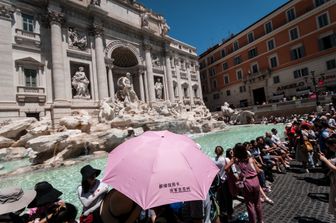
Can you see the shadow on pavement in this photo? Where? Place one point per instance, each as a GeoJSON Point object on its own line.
{"type": "Point", "coordinates": [302, 219]}
{"type": "Point", "coordinates": [324, 181]}
{"type": "Point", "coordinates": [324, 197]}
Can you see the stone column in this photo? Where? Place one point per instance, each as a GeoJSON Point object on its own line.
{"type": "Point", "coordinates": [200, 93]}
{"type": "Point", "coordinates": [100, 61]}
{"type": "Point", "coordinates": [110, 81]}
{"type": "Point", "coordinates": [56, 19]}
{"type": "Point", "coordinates": [141, 83]}
{"type": "Point", "coordinates": [179, 84]}
{"type": "Point", "coordinates": [146, 86]}
{"type": "Point", "coordinates": [21, 76]}
{"type": "Point", "coordinates": [169, 78]}
{"type": "Point", "coordinates": [149, 68]}
{"type": "Point", "coordinates": [191, 93]}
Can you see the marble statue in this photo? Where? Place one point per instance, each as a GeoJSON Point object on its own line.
{"type": "Point", "coordinates": [145, 20]}
{"type": "Point", "coordinates": [77, 39]}
{"type": "Point", "coordinates": [126, 92]}
{"type": "Point", "coordinates": [158, 89]}
{"type": "Point", "coordinates": [95, 2]}
{"type": "Point", "coordinates": [164, 28]}
{"type": "Point", "coordinates": [106, 111]}
{"type": "Point", "coordinates": [81, 84]}
{"type": "Point", "coordinates": [235, 116]}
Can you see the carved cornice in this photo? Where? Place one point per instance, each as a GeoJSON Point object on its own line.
{"type": "Point", "coordinates": [6, 12]}
{"type": "Point", "coordinates": [56, 17]}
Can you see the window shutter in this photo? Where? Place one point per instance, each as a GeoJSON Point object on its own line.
{"type": "Point", "coordinates": [320, 44]}
{"type": "Point", "coordinates": [302, 49]}
{"type": "Point", "coordinates": [333, 39]}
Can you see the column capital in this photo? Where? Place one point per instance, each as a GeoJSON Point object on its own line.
{"type": "Point", "coordinates": [146, 44]}
{"type": "Point", "coordinates": [97, 30]}
{"type": "Point", "coordinates": [6, 12]}
{"type": "Point", "coordinates": [56, 17]}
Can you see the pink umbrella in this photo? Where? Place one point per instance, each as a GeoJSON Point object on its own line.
{"type": "Point", "coordinates": [160, 168]}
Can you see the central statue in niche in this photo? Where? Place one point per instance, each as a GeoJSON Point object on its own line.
{"type": "Point", "coordinates": [126, 91]}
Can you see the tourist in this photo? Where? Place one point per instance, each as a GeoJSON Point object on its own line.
{"type": "Point", "coordinates": [224, 197]}
{"type": "Point", "coordinates": [13, 201]}
{"type": "Point", "coordinates": [46, 202]}
{"type": "Point", "coordinates": [165, 214]}
{"type": "Point", "coordinates": [331, 164]}
{"type": "Point", "coordinates": [117, 208]}
{"type": "Point", "coordinates": [249, 177]}
{"type": "Point", "coordinates": [90, 193]}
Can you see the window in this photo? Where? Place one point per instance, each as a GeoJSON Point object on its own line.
{"type": "Point", "coordinates": [301, 72]}
{"type": "Point", "coordinates": [290, 14]}
{"type": "Point", "coordinates": [223, 53]}
{"type": "Point", "coordinates": [323, 20]}
{"type": "Point", "coordinates": [297, 53]}
{"type": "Point", "coordinates": [242, 89]}
{"type": "Point", "coordinates": [239, 74]}
{"type": "Point", "coordinates": [293, 33]}
{"type": "Point", "coordinates": [319, 2]}
{"type": "Point", "coordinates": [268, 27]}
{"type": "Point", "coordinates": [270, 44]}
{"type": "Point", "coordinates": [228, 93]}
{"type": "Point", "coordinates": [226, 79]}
{"type": "Point", "coordinates": [237, 60]}
{"type": "Point", "coordinates": [273, 62]}
{"type": "Point", "coordinates": [211, 60]}
{"type": "Point", "coordinates": [255, 68]}
{"type": "Point", "coordinates": [214, 84]}
{"type": "Point", "coordinates": [30, 77]}
{"type": "Point", "coordinates": [252, 53]}
{"type": "Point", "coordinates": [225, 66]}
{"type": "Point", "coordinates": [250, 37]}
{"type": "Point", "coordinates": [235, 45]}
{"type": "Point", "coordinates": [331, 64]}
{"type": "Point", "coordinates": [276, 79]}
{"type": "Point", "coordinates": [28, 23]}
{"type": "Point", "coordinates": [327, 42]}
{"type": "Point", "coordinates": [212, 71]}
{"type": "Point", "coordinates": [216, 96]}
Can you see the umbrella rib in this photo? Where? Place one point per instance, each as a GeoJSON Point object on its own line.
{"type": "Point", "coordinates": [186, 159]}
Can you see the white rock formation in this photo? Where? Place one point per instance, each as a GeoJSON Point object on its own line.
{"type": "Point", "coordinates": [16, 129]}
{"type": "Point", "coordinates": [79, 120]}
{"type": "Point", "coordinates": [5, 142]}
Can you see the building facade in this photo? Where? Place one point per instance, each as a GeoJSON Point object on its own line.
{"type": "Point", "coordinates": [287, 54]}
{"type": "Point", "coordinates": [59, 56]}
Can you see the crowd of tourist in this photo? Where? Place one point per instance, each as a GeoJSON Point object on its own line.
{"type": "Point", "coordinates": [246, 173]}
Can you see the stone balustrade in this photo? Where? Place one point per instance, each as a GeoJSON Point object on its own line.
{"type": "Point", "coordinates": [30, 94]}
{"type": "Point", "coordinates": [22, 36]}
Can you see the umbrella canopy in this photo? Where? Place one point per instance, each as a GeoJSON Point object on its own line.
{"type": "Point", "coordinates": [160, 168]}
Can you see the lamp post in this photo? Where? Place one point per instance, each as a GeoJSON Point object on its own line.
{"type": "Point", "coordinates": [315, 87]}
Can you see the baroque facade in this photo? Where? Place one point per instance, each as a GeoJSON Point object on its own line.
{"type": "Point", "coordinates": [288, 54]}
{"type": "Point", "coordinates": [59, 56]}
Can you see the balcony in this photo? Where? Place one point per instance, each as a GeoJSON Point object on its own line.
{"type": "Point", "coordinates": [30, 94]}
{"type": "Point", "coordinates": [259, 76]}
{"type": "Point", "coordinates": [29, 38]}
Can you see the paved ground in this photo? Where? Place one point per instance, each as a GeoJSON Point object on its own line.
{"type": "Point", "coordinates": [299, 197]}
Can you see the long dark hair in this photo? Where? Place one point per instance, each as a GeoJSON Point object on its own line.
{"type": "Point", "coordinates": [240, 152]}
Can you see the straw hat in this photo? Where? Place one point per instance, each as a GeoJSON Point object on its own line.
{"type": "Point", "coordinates": [13, 199]}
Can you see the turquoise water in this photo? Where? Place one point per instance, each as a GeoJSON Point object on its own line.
{"type": "Point", "coordinates": [12, 165]}
{"type": "Point", "coordinates": [67, 179]}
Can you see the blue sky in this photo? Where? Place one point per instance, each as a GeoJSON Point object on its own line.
{"type": "Point", "coordinates": [204, 23]}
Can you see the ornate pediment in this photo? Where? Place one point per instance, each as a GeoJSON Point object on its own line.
{"type": "Point", "coordinates": [29, 61]}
